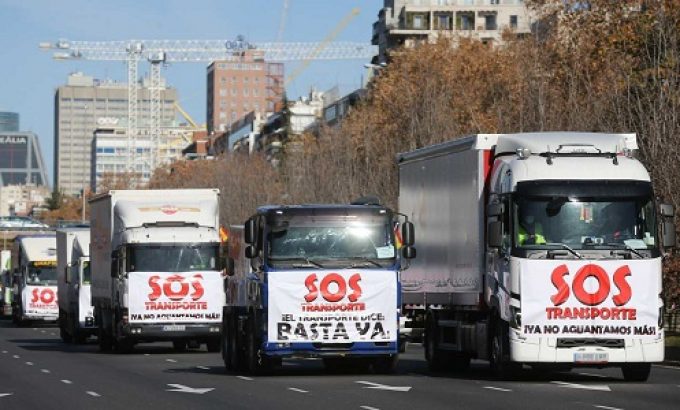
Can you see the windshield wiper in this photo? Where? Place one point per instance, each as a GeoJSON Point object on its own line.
{"type": "Point", "coordinates": [565, 246]}
{"type": "Point", "coordinates": [626, 247]}
{"type": "Point", "coordinates": [364, 262]}
{"type": "Point", "coordinates": [308, 262]}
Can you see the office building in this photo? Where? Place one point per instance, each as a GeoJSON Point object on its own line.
{"type": "Point", "coordinates": [21, 160]}
{"type": "Point", "coordinates": [236, 88]}
{"type": "Point", "coordinates": [9, 121]}
{"type": "Point", "coordinates": [78, 108]}
{"type": "Point", "coordinates": [408, 23]}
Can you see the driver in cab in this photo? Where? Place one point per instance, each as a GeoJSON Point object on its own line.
{"type": "Point", "coordinates": [530, 231]}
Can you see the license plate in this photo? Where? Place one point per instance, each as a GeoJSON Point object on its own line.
{"type": "Point", "coordinates": [591, 357]}
{"type": "Point", "coordinates": [174, 328]}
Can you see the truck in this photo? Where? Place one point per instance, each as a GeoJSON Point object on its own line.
{"type": "Point", "coordinates": [5, 282]}
{"type": "Point", "coordinates": [156, 268]}
{"type": "Point", "coordinates": [317, 281]}
{"type": "Point", "coordinates": [34, 271]}
{"type": "Point", "coordinates": [539, 249]}
{"type": "Point", "coordinates": [76, 314]}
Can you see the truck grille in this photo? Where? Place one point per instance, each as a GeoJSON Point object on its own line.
{"type": "Point", "coordinates": [613, 343]}
{"type": "Point", "coordinates": [332, 346]}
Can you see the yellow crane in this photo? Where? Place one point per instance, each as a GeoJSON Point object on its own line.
{"type": "Point", "coordinates": [323, 44]}
{"type": "Point", "coordinates": [188, 117]}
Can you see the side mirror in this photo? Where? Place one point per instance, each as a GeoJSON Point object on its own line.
{"type": "Point", "coordinates": [230, 267]}
{"type": "Point", "coordinates": [495, 209]}
{"type": "Point", "coordinates": [250, 231]}
{"type": "Point", "coordinates": [668, 234]}
{"type": "Point", "coordinates": [408, 252]}
{"type": "Point", "coordinates": [495, 234]}
{"type": "Point", "coordinates": [408, 234]}
{"type": "Point", "coordinates": [667, 210]}
{"type": "Point", "coordinates": [251, 252]}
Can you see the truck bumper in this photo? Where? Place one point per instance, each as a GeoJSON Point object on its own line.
{"type": "Point", "coordinates": [39, 318]}
{"type": "Point", "coordinates": [359, 349]}
{"type": "Point", "coordinates": [581, 352]}
{"type": "Point", "coordinates": [140, 332]}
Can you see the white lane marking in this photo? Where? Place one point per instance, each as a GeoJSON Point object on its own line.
{"type": "Point", "coordinates": [171, 360]}
{"type": "Point", "coordinates": [66, 381]}
{"type": "Point", "coordinates": [42, 331]}
{"type": "Point", "coordinates": [378, 386]}
{"type": "Point", "coordinates": [5, 394]}
{"type": "Point", "coordinates": [244, 377]}
{"type": "Point", "coordinates": [368, 408]}
{"type": "Point", "coordinates": [44, 371]}
{"type": "Point", "coordinates": [496, 388]}
{"type": "Point", "coordinates": [53, 334]}
{"type": "Point", "coordinates": [35, 328]}
{"type": "Point", "coordinates": [607, 407]}
{"type": "Point", "coordinates": [146, 354]}
{"type": "Point", "coordinates": [180, 388]}
{"type": "Point", "coordinates": [16, 356]}
{"type": "Point", "coordinates": [597, 387]}
{"type": "Point", "coordinates": [29, 363]}
{"type": "Point", "coordinates": [4, 351]}
{"type": "Point", "coordinates": [297, 390]}
{"type": "Point", "coordinates": [593, 375]}
{"type": "Point", "coordinates": [203, 367]}
{"type": "Point", "coordinates": [93, 394]}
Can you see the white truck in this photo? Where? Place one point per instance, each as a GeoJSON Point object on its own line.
{"type": "Point", "coordinates": [76, 315]}
{"type": "Point", "coordinates": [5, 282]}
{"type": "Point", "coordinates": [155, 268]}
{"type": "Point", "coordinates": [536, 248]}
{"type": "Point", "coordinates": [34, 267]}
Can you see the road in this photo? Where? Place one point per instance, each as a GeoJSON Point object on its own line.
{"type": "Point", "coordinates": [38, 371]}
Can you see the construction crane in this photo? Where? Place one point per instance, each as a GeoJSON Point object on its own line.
{"type": "Point", "coordinates": [160, 52]}
{"type": "Point", "coordinates": [282, 22]}
{"type": "Point", "coordinates": [322, 46]}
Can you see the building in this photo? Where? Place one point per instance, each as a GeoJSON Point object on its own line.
{"type": "Point", "coordinates": [111, 154]}
{"type": "Point", "coordinates": [21, 160]}
{"type": "Point", "coordinates": [78, 106]}
{"type": "Point", "coordinates": [337, 110]}
{"type": "Point", "coordinates": [21, 200]}
{"type": "Point", "coordinates": [411, 22]}
{"type": "Point", "coordinates": [9, 121]}
{"type": "Point", "coordinates": [235, 88]}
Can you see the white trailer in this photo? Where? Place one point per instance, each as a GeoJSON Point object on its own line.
{"type": "Point", "coordinates": [34, 267]}
{"type": "Point", "coordinates": [5, 282]}
{"type": "Point", "coordinates": [76, 314]}
{"type": "Point", "coordinates": [538, 249]}
{"type": "Point", "coordinates": [155, 267]}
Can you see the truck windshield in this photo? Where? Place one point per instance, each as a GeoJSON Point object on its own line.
{"type": "Point", "coordinates": [42, 276]}
{"type": "Point", "coordinates": [332, 241]}
{"type": "Point", "coordinates": [172, 258]}
{"type": "Point", "coordinates": [585, 223]}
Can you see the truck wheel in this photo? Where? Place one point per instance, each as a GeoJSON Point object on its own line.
{"type": "Point", "coordinates": [433, 355]}
{"type": "Point", "coordinates": [235, 349]}
{"type": "Point", "coordinates": [105, 340]}
{"type": "Point", "coordinates": [65, 336]}
{"type": "Point", "coordinates": [256, 363]}
{"type": "Point", "coordinates": [179, 345]}
{"type": "Point", "coordinates": [499, 361]}
{"type": "Point", "coordinates": [226, 343]}
{"type": "Point", "coordinates": [386, 365]}
{"type": "Point", "coordinates": [636, 372]}
{"type": "Point", "coordinates": [213, 345]}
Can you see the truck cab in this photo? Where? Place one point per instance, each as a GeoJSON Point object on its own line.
{"type": "Point", "coordinates": [323, 281]}
{"type": "Point", "coordinates": [34, 262]}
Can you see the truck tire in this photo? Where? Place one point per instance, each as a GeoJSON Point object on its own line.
{"type": "Point", "coordinates": [433, 355]}
{"type": "Point", "coordinates": [255, 363]}
{"type": "Point", "coordinates": [386, 365]}
{"type": "Point", "coordinates": [179, 346]}
{"type": "Point", "coordinates": [226, 343]}
{"type": "Point", "coordinates": [236, 343]}
{"type": "Point", "coordinates": [213, 345]}
{"type": "Point", "coordinates": [105, 341]}
{"type": "Point", "coordinates": [499, 355]}
{"type": "Point", "coordinates": [63, 323]}
{"type": "Point", "coordinates": [636, 372]}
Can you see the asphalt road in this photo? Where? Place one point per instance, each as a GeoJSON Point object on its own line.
{"type": "Point", "coordinates": [38, 371]}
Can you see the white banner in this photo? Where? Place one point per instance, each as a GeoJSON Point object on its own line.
{"type": "Point", "coordinates": [591, 299]}
{"type": "Point", "coordinates": [332, 306]}
{"type": "Point", "coordinates": [85, 308]}
{"type": "Point", "coordinates": [40, 301]}
{"type": "Point", "coordinates": [183, 297]}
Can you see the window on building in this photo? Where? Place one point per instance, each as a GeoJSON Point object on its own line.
{"type": "Point", "coordinates": [245, 80]}
{"type": "Point", "coordinates": [490, 22]}
{"type": "Point", "coordinates": [443, 21]}
{"type": "Point", "coordinates": [255, 92]}
{"type": "Point", "coordinates": [418, 21]}
{"type": "Point", "coordinates": [233, 115]}
{"type": "Point", "coordinates": [223, 92]}
{"type": "Point", "coordinates": [465, 20]}
{"type": "Point", "coordinates": [494, 2]}
{"type": "Point", "coordinates": [245, 92]}
{"type": "Point", "coordinates": [513, 21]}
{"type": "Point", "coordinates": [234, 91]}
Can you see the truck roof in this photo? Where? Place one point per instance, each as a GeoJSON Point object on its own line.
{"type": "Point", "coordinates": [320, 208]}
{"type": "Point", "coordinates": [39, 247]}
{"type": "Point", "coordinates": [536, 142]}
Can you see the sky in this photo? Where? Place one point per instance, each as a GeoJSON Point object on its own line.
{"type": "Point", "coordinates": [29, 76]}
